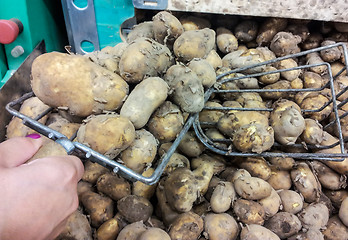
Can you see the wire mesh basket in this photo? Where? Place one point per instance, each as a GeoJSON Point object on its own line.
{"type": "Point", "coordinates": [82, 150]}
{"type": "Point", "coordinates": [228, 150]}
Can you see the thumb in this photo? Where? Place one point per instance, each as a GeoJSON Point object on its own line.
{"type": "Point", "coordinates": [18, 150]}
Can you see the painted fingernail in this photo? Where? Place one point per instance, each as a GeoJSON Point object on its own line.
{"type": "Point", "coordinates": [34, 136]}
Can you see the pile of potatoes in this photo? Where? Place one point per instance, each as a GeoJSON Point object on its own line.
{"type": "Point", "coordinates": [130, 101]}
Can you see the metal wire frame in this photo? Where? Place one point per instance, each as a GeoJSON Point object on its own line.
{"type": "Point", "coordinates": [78, 148]}
{"type": "Point", "coordinates": [213, 144]}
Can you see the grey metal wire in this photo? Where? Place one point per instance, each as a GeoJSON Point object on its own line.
{"type": "Point", "coordinates": [212, 144]}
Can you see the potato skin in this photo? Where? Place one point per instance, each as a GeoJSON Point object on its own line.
{"type": "Point", "coordinates": [222, 197]}
{"type": "Point", "coordinates": [343, 212]}
{"type": "Point", "coordinates": [186, 226]}
{"type": "Point", "coordinates": [132, 231]}
{"type": "Point", "coordinates": [284, 224]}
{"type": "Point", "coordinates": [292, 202]}
{"type": "Point", "coordinates": [31, 107]}
{"type": "Point", "coordinates": [113, 186]}
{"type": "Point", "coordinates": [107, 134]}
{"type": "Point", "coordinates": [108, 230]}
{"type": "Point", "coordinates": [335, 229]}
{"type": "Point", "coordinates": [152, 91]}
{"type": "Point", "coordinates": [144, 58]}
{"type": "Point", "coordinates": [194, 44]}
{"type": "Point", "coordinates": [315, 215]}
{"type": "Point", "coordinates": [76, 228]}
{"type": "Point", "coordinates": [249, 212]}
{"type": "Point", "coordinates": [154, 233]}
{"type": "Point", "coordinates": [141, 208]}
{"type": "Point", "coordinates": [79, 85]}
{"type": "Point", "coordinates": [221, 226]}
{"type": "Point", "coordinates": [256, 166]}
{"type": "Point", "coordinates": [99, 208]}
{"type": "Point", "coordinates": [141, 152]}
{"type": "Point", "coordinates": [187, 89]}
{"type": "Point", "coordinates": [305, 182]}
{"type": "Point", "coordinates": [252, 188]}
{"type": "Point", "coordinates": [271, 204]}
{"type": "Point", "coordinates": [166, 122]}
{"type": "Point", "coordinates": [256, 232]}
{"type": "Point", "coordinates": [93, 171]}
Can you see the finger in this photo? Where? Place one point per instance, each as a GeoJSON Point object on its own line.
{"type": "Point", "coordinates": [18, 150]}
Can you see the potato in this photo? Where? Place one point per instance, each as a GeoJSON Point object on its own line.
{"type": "Point", "coordinates": [287, 64]}
{"type": "Point", "coordinates": [187, 88]}
{"type": "Point", "coordinates": [267, 53]}
{"type": "Point", "coordinates": [281, 163]}
{"type": "Point", "coordinates": [296, 84]}
{"type": "Point", "coordinates": [305, 182]}
{"type": "Point", "coordinates": [308, 235]}
{"type": "Point", "coordinates": [340, 83]}
{"type": "Point", "coordinates": [83, 186]}
{"type": "Point", "coordinates": [152, 91]}
{"type": "Point", "coordinates": [109, 230]}
{"type": "Point", "coordinates": [285, 43]}
{"type": "Point", "coordinates": [181, 189]}
{"type": "Point", "coordinates": [49, 149]}
{"type": "Point", "coordinates": [256, 166]}
{"type": "Point", "coordinates": [144, 190]}
{"type": "Point", "coordinates": [271, 204]}
{"type": "Point", "coordinates": [222, 197]}
{"type": "Point", "coordinates": [190, 22]}
{"type": "Point", "coordinates": [214, 59]}
{"type": "Point", "coordinates": [225, 40]}
{"type": "Point", "coordinates": [144, 58]}
{"type": "Point", "coordinates": [292, 202]}
{"type": "Point", "coordinates": [257, 232]}
{"type": "Point", "coordinates": [230, 123]}
{"type": "Point", "coordinates": [108, 57]}
{"type": "Point", "coordinates": [186, 226]}
{"type": "Point", "coordinates": [249, 212]}
{"type": "Point", "coordinates": [327, 177]}
{"type": "Point", "coordinates": [108, 134]}
{"type": "Point", "coordinates": [340, 167]}
{"type": "Point", "coordinates": [284, 224]}
{"type": "Point", "coordinates": [252, 188]}
{"type": "Point", "coordinates": [143, 29]}
{"type": "Point", "coordinates": [312, 41]}
{"type": "Point", "coordinates": [271, 94]}
{"type": "Point", "coordinates": [76, 228]}
{"type": "Point", "coordinates": [315, 216]}
{"type": "Point", "coordinates": [177, 160]}
{"type": "Point", "coordinates": [253, 138]}
{"type": "Point", "coordinates": [343, 213]}
{"type": "Point", "coordinates": [210, 116]}
{"type": "Point", "coordinates": [142, 151]}
{"type": "Point", "coordinates": [80, 86]}
{"type": "Point", "coordinates": [279, 179]}
{"type": "Point", "coordinates": [314, 58]}
{"type": "Point", "coordinates": [194, 44]}
{"type": "Point", "coordinates": [269, 28]}
{"type": "Point", "coordinates": [313, 132]}
{"type": "Point", "coordinates": [288, 123]}
{"type": "Point", "coordinates": [335, 229]}
{"type": "Point", "coordinates": [241, 59]}
{"type": "Point", "coordinates": [190, 145]}
{"type": "Point", "coordinates": [93, 171]}
{"type": "Point", "coordinates": [166, 122]}
{"type": "Point", "coordinates": [336, 197]}
{"type": "Point", "coordinates": [132, 231]}
{"type": "Point", "coordinates": [337, 67]}
{"type": "Point", "coordinates": [141, 208]}
{"type": "Point", "coordinates": [269, 78]}
{"type": "Point", "coordinates": [163, 209]}
{"type": "Point", "coordinates": [239, 173]}
{"type": "Point", "coordinates": [220, 226]}
{"type": "Point", "coordinates": [31, 107]}
{"type": "Point", "coordinates": [330, 54]}
{"type": "Point", "coordinates": [99, 208]}
{"type": "Point", "coordinates": [316, 102]}
{"type": "Point", "coordinates": [166, 27]}
{"type": "Point", "coordinates": [154, 233]}
{"type": "Point", "coordinates": [246, 30]}
{"type": "Point", "coordinates": [204, 71]}
{"type": "Point", "coordinates": [113, 186]}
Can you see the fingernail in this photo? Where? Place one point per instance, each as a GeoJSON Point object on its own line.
{"type": "Point", "coordinates": [34, 136]}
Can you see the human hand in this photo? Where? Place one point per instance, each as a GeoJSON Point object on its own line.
{"type": "Point", "coordinates": [36, 197]}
